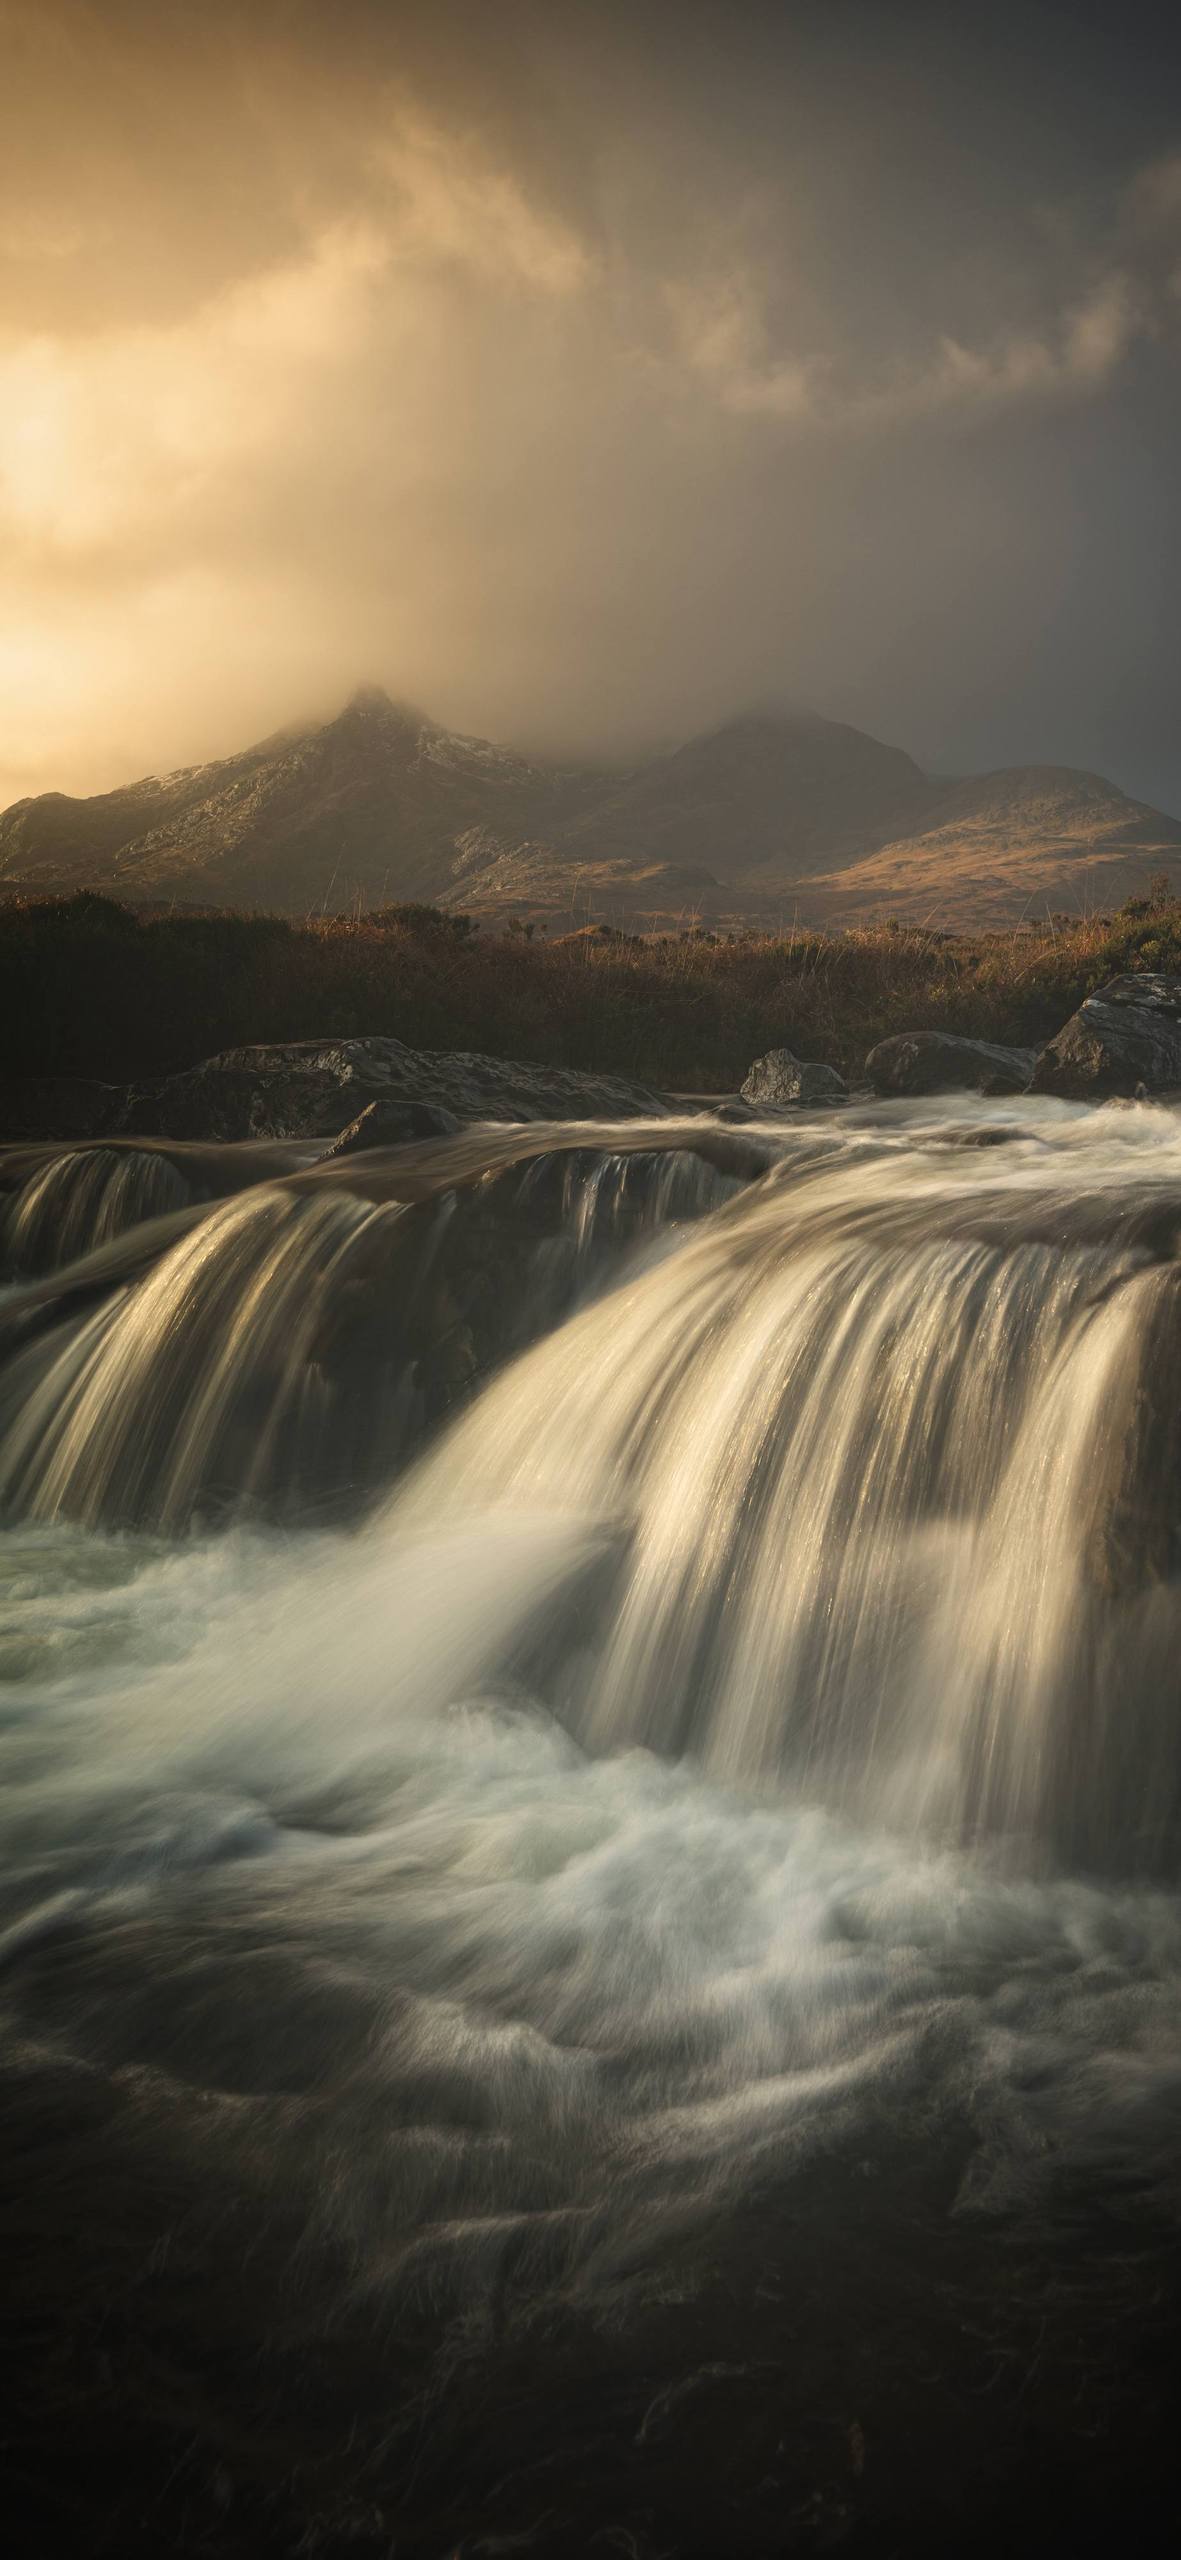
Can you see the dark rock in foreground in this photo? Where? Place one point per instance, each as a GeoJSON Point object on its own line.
{"type": "Point", "coordinates": [782, 1078]}
{"type": "Point", "coordinates": [917, 1062]}
{"type": "Point", "coordinates": [1126, 1035]}
{"type": "Point", "coordinates": [317, 1088]}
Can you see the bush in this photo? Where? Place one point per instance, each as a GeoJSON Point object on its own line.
{"type": "Point", "coordinates": [89, 987]}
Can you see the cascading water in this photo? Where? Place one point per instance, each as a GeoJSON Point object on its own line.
{"type": "Point", "coordinates": [868, 1437]}
{"type": "Point", "coordinates": [294, 1344]}
{"type": "Point", "coordinates": [66, 1203]}
{"type": "Point", "coordinates": [691, 1867]}
{"type": "Point", "coordinates": [84, 1198]}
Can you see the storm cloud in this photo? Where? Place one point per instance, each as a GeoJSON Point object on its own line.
{"type": "Point", "coordinates": [587, 374]}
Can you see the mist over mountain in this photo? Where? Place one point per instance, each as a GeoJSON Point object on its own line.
{"type": "Point", "coordinates": [377, 800]}
{"type": "Point", "coordinates": [769, 814]}
{"type": "Point", "coordinates": [588, 372]}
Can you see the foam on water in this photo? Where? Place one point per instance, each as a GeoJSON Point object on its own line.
{"type": "Point", "coordinates": [677, 1778]}
{"type": "Point", "coordinates": [274, 1831]}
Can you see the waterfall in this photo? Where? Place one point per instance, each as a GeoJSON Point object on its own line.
{"type": "Point", "coordinates": [291, 1345]}
{"type": "Point", "coordinates": [589, 1737]}
{"type": "Point", "coordinates": [897, 1529]}
{"type": "Point", "coordinates": [882, 1443]}
{"type": "Point", "coordinates": [84, 1198]}
{"type": "Point", "coordinates": [67, 1202]}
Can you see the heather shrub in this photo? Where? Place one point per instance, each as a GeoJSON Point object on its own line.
{"type": "Point", "coordinates": [89, 987]}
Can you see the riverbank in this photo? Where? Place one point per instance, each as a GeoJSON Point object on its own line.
{"type": "Point", "coordinates": [92, 988]}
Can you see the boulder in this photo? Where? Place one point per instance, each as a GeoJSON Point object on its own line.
{"type": "Point", "coordinates": [1125, 1037]}
{"type": "Point", "coordinates": [916, 1062]}
{"type": "Point", "coordinates": [318, 1088]}
{"type": "Point", "coordinates": [781, 1078]}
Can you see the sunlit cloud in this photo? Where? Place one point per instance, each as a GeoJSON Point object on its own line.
{"type": "Point", "coordinates": [102, 435]}
{"type": "Point", "coordinates": [449, 204]}
{"type": "Point", "coordinates": [569, 429]}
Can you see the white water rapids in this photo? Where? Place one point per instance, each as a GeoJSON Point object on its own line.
{"type": "Point", "coordinates": [754, 1720]}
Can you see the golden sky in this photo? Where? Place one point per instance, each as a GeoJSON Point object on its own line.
{"type": "Point", "coordinates": [583, 373]}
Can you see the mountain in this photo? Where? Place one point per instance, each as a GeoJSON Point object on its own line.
{"type": "Point", "coordinates": [378, 800]}
{"type": "Point", "coordinates": [762, 798]}
{"type": "Point", "coordinates": [996, 846]}
{"type": "Point", "coordinates": [766, 818]}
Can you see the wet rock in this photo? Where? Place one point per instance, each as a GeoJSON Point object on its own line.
{"type": "Point", "coordinates": [393, 1124]}
{"type": "Point", "coordinates": [1134, 1536]}
{"type": "Point", "coordinates": [781, 1078]}
{"type": "Point", "coordinates": [1125, 1037]}
{"type": "Point", "coordinates": [318, 1088]}
{"type": "Point", "coordinates": [917, 1062]}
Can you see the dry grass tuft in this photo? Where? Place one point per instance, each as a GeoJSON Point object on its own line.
{"type": "Point", "coordinates": [88, 987]}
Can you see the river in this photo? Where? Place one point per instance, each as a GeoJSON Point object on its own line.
{"type": "Point", "coordinates": [591, 1953]}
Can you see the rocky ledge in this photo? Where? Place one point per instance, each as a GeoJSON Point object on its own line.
{"type": "Point", "coordinates": [318, 1089]}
